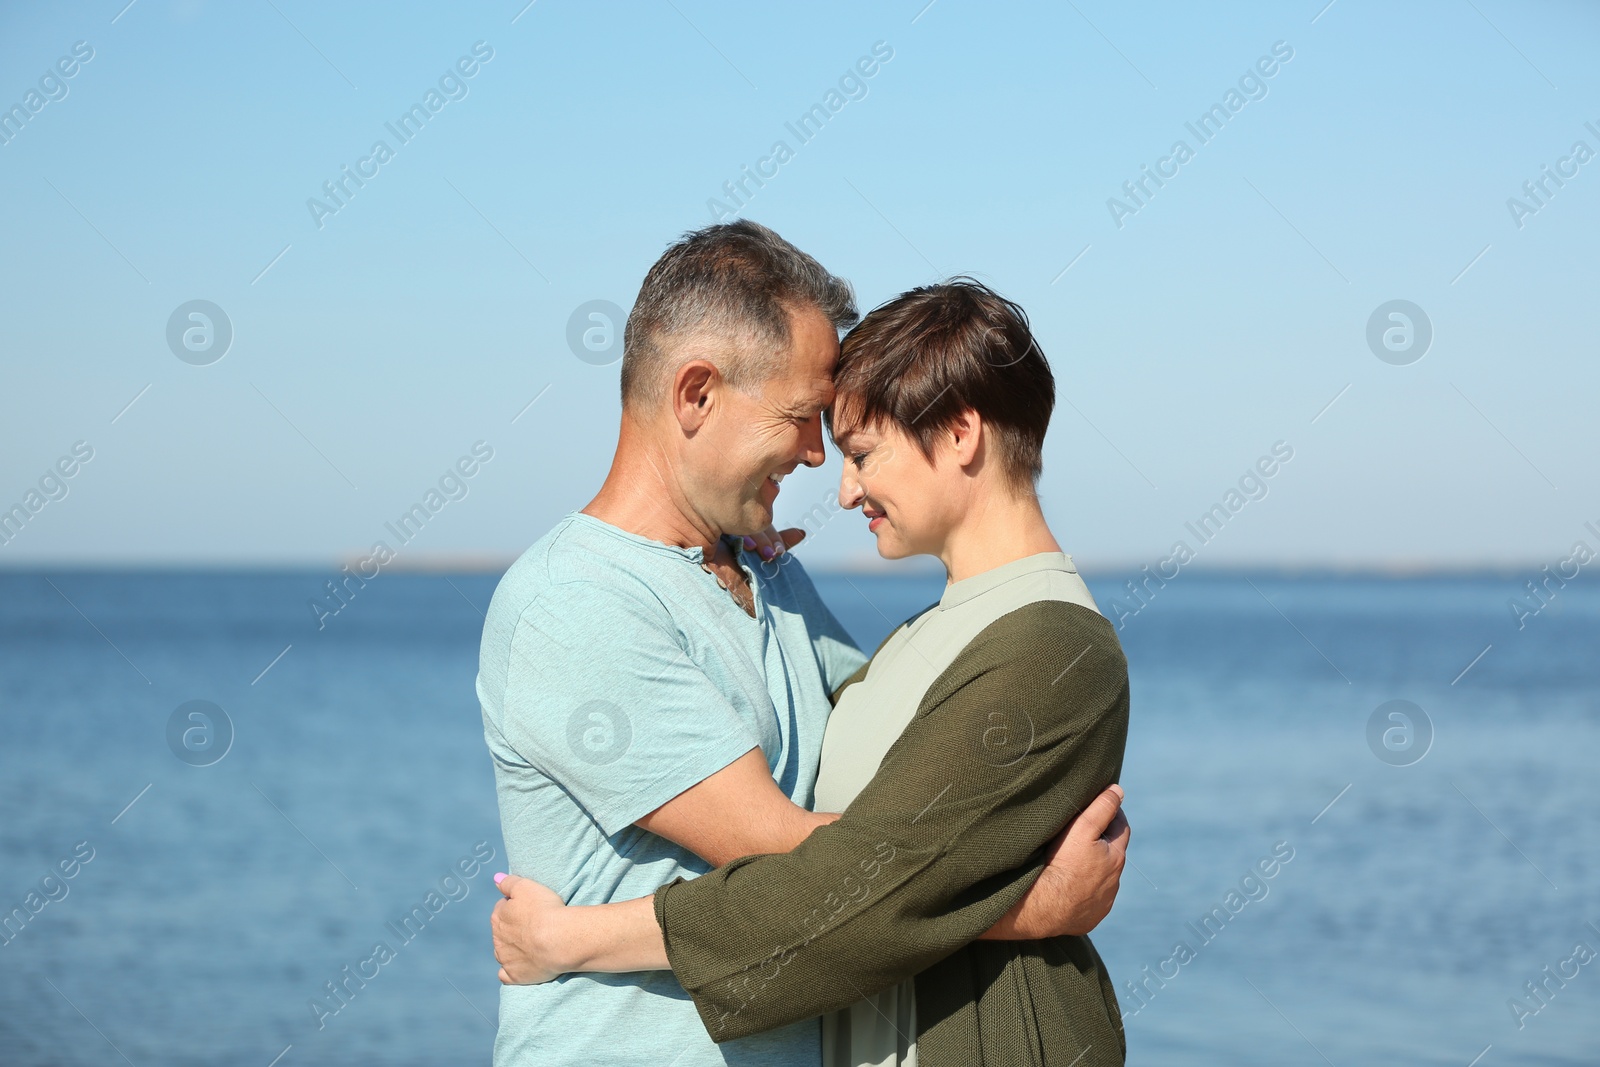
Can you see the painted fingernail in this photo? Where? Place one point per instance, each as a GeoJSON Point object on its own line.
{"type": "Point", "coordinates": [749, 542]}
{"type": "Point", "coordinates": [499, 878]}
{"type": "Point", "coordinates": [766, 552]}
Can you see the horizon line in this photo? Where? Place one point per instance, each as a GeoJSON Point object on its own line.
{"type": "Point", "coordinates": [495, 563]}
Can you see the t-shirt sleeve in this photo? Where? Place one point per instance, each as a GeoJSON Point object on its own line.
{"type": "Point", "coordinates": [1017, 736]}
{"type": "Point", "coordinates": [603, 699]}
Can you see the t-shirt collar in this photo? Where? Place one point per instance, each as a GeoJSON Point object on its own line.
{"type": "Point", "coordinates": [694, 553]}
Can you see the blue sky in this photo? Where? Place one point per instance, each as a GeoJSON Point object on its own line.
{"type": "Point", "coordinates": [371, 352]}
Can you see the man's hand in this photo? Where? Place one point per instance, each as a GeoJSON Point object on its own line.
{"type": "Point", "coordinates": [771, 543]}
{"type": "Point", "coordinates": [525, 927]}
{"type": "Point", "coordinates": [1076, 889]}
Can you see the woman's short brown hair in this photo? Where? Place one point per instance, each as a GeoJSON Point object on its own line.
{"type": "Point", "coordinates": [921, 359]}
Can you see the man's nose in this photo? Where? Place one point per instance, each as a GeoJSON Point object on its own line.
{"type": "Point", "coordinates": [811, 451]}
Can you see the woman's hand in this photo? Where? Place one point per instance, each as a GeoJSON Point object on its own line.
{"type": "Point", "coordinates": [538, 939]}
{"type": "Point", "coordinates": [769, 544]}
{"type": "Point", "coordinates": [527, 927]}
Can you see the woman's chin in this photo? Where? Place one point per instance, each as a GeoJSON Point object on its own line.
{"type": "Point", "coordinates": [888, 548]}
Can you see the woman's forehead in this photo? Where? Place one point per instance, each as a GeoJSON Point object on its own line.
{"type": "Point", "coordinates": [845, 422]}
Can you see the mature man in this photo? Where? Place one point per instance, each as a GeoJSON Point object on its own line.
{"type": "Point", "coordinates": [654, 705]}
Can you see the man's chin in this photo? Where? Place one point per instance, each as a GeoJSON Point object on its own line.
{"type": "Point", "coordinates": [752, 520]}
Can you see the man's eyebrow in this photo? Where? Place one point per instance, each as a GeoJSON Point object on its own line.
{"type": "Point", "coordinates": [807, 407]}
{"type": "Point", "coordinates": [814, 401]}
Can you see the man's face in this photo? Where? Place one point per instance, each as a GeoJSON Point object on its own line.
{"type": "Point", "coordinates": [752, 441]}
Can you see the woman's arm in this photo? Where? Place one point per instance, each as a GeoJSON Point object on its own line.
{"type": "Point", "coordinates": [1079, 882]}
{"type": "Point", "coordinates": [537, 938]}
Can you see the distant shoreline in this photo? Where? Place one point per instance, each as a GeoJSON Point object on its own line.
{"type": "Point", "coordinates": [495, 565]}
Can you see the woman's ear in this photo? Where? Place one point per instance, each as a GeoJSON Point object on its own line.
{"type": "Point", "coordinates": [966, 436]}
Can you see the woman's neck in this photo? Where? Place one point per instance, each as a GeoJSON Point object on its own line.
{"type": "Point", "coordinates": [1000, 530]}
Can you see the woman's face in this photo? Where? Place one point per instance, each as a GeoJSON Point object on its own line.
{"type": "Point", "coordinates": [911, 502]}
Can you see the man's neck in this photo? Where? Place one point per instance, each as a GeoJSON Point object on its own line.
{"type": "Point", "coordinates": [641, 495]}
{"type": "Point", "coordinates": [1000, 530]}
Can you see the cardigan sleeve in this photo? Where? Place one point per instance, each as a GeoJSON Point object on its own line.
{"type": "Point", "coordinates": [1022, 730]}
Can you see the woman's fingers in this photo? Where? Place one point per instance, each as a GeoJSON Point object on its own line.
{"type": "Point", "coordinates": [771, 542]}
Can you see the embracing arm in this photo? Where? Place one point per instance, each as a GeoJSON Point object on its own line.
{"type": "Point", "coordinates": [738, 811]}
{"type": "Point", "coordinates": [538, 938]}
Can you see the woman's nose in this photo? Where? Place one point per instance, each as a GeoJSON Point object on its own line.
{"type": "Point", "coordinates": [850, 491]}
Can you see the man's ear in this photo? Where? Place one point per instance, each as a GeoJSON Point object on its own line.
{"type": "Point", "coordinates": [694, 391]}
{"type": "Point", "coordinates": [966, 436]}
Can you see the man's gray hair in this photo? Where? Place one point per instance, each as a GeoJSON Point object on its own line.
{"type": "Point", "coordinates": [738, 282]}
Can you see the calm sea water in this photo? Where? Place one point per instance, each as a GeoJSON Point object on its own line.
{"type": "Point", "coordinates": [1421, 894]}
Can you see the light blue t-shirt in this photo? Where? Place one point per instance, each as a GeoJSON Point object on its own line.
{"type": "Point", "coordinates": [614, 674]}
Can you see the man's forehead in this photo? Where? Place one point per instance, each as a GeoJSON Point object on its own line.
{"type": "Point", "coordinates": [799, 392]}
{"type": "Point", "coordinates": [812, 357]}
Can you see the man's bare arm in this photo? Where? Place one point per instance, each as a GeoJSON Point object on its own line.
{"type": "Point", "coordinates": [738, 811]}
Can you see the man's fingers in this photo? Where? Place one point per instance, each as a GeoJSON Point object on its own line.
{"type": "Point", "coordinates": [505, 979]}
{"type": "Point", "coordinates": [1117, 848]}
{"type": "Point", "coordinates": [1097, 817]}
{"type": "Point", "coordinates": [1117, 838]}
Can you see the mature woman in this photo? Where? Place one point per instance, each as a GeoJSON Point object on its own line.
{"type": "Point", "coordinates": [976, 730]}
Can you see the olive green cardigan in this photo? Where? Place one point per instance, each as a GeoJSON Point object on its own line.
{"type": "Point", "coordinates": [1023, 729]}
